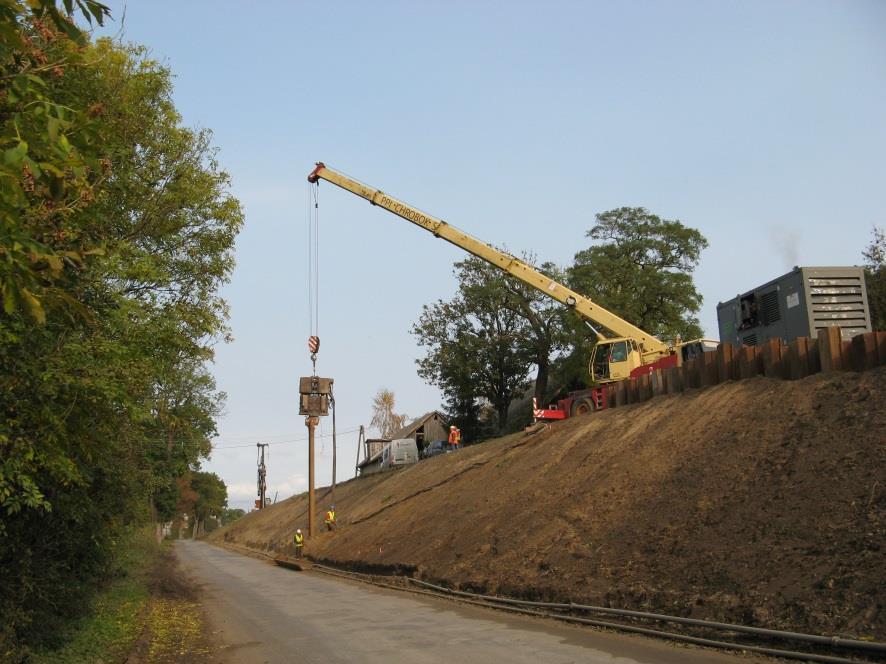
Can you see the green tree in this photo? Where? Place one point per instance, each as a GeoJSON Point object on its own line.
{"type": "Point", "coordinates": [231, 514]}
{"type": "Point", "coordinates": [541, 317]}
{"type": "Point", "coordinates": [875, 277]}
{"type": "Point", "coordinates": [476, 346]}
{"type": "Point", "coordinates": [51, 161]}
{"type": "Point", "coordinates": [212, 499]}
{"type": "Point", "coordinates": [641, 269]}
{"type": "Point", "coordinates": [468, 412]}
{"type": "Point", "coordinates": [118, 247]}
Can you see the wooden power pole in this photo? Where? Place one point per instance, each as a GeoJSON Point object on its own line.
{"type": "Point", "coordinates": [262, 476]}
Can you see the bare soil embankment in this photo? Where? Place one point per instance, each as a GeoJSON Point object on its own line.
{"type": "Point", "coordinates": [761, 502]}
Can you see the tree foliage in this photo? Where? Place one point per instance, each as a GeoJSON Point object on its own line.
{"type": "Point", "coordinates": [471, 414]}
{"type": "Point", "coordinates": [476, 344]}
{"type": "Point", "coordinates": [51, 163]}
{"type": "Point", "coordinates": [211, 499]}
{"type": "Point", "coordinates": [481, 344]}
{"type": "Point", "coordinates": [231, 514]}
{"type": "Point", "coordinates": [117, 232]}
{"type": "Point", "coordinates": [384, 419]}
{"type": "Point", "coordinates": [641, 269]}
{"type": "Point", "coordinates": [875, 277]}
{"type": "Point", "coordinates": [540, 318]}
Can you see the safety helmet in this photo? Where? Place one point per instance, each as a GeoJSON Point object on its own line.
{"type": "Point", "coordinates": [298, 530]}
{"type": "Point", "coordinates": [332, 507]}
{"type": "Point", "coordinates": [452, 427]}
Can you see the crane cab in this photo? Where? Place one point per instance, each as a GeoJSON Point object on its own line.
{"type": "Point", "coordinates": [614, 360]}
{"type": "Point", "coordinates": [618, 359]}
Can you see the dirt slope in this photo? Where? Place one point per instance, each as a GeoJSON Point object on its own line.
{"type": "Point", "coordinates": [761, 502]}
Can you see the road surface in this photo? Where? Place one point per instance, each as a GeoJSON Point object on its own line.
{"type": "Point", "coordinates": [259, 612]}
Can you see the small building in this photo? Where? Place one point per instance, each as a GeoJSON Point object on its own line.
{"type": "Point", "coordinates": [372, 463]}
{"type": "Point", "coordinates": [374, 446]}
{"type": "Point", "coordinates": [372, 456]}
{"type": "Point", "coordinates": [428, 427]}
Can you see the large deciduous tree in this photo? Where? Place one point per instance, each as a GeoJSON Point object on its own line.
{"type": "Point", "coordinates": [641, 269]}
{"type": "Point", "coordinates": [541, 317]}
{"type": "Point", "coordinates": [476, 345]}
{"type": "Point", "coordinates": [117, 232]}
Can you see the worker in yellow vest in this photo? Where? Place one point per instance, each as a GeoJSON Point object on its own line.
{"type": "Point", "coordinates": [299, 541]}
{"type": "Point", "coordinates": [330, 518]}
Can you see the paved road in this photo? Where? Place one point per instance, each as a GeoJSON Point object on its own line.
{"type": "Point", "coordinates": [259, 612]}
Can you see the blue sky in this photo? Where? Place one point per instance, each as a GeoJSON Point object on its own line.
{"type": "Point", "coordinates": [762, 124]}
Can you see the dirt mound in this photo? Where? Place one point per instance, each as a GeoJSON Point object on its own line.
{"type": "Point", "coordinates": [761, 502]}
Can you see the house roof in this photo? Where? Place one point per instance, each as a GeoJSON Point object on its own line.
{"type": "Point", "coordinates": [403, 432]}
{"type": "Point", "coordinates": [375, 457]}
{"type": "Point", "coordinates": [409, 429]}
{"type": "Point", "coordinates": [371, 460]}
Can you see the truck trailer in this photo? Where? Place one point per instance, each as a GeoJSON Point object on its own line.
{"type": "Point", "coordinates": [797, 304]}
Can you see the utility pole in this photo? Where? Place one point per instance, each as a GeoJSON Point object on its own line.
{"type": "Point", "coordinates": [311, 421]}
{"type": "Point", "coordinates": [360, 438]}
{"type": "Point", "coordinates": [334, 453]}
{"type": "Point", "coordinates": [262, 475]}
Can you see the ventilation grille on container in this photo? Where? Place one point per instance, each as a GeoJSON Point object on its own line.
{"type": "Point", "coordinates": [838, 301]}
{"type": "Point", "coordinates": [750, 340]}
{"type": "Point", "coordinates": [769, 302]}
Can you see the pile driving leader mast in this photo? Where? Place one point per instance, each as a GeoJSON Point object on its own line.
{"type": "Point", "coordinates": [631, 352]}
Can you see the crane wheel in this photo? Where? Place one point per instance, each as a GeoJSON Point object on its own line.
{"type": "Point", "coordinates": [583, 407]}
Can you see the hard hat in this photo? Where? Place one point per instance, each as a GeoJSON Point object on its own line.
{"type": "Point", "coordinates": [452, 427]}
{"type": "Point", "coordinates": [298, 530]}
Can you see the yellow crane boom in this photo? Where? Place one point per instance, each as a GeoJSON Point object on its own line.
{"type": "Point", "coordinates": [650, 347]}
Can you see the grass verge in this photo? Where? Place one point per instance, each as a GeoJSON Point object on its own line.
{"type": "Point", "coordinates": [115, 617]}
{"type": "Point", "coordinates": [148, 612]}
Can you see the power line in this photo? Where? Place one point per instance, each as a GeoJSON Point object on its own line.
{"type": "Point", "coordinates": [280, 442]}
{"type": "Point", "coordinates": [253, 437]}
{"type": "Point", "coordinates": [163, 442]}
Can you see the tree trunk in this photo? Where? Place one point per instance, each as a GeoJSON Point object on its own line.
{"type": "Point", "coordinates": [158, 527]}
{"type": "Point", "coordinates": [503, 415]}
{"type": "Point", "coordinates": [541, 380]}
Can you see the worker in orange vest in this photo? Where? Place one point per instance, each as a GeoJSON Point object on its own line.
{"type": "Point", "coordinates": [454, 437]}
{"type": "Point", "coordinates": [330, 518]}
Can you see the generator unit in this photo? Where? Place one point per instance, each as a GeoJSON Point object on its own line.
{"type": "Point", "coordinates": [798, 304]}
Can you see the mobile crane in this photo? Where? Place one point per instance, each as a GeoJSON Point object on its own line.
{"type": "Point", "coordinates": [631, 352]}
